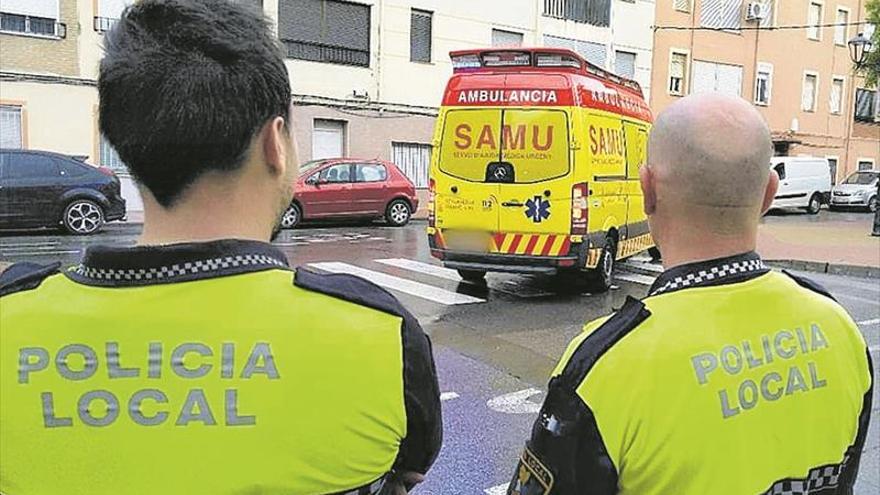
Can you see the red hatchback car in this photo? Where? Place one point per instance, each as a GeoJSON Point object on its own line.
{"type": "Point", "coordinates": [351, 188]}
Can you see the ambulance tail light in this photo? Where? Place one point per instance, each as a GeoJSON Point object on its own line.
{"type": "Point", "coordinates": [507, 59]}
{"type": "Point", "coordinates": [465, 62]}
{"type": "Point", "coordinates": [432, 187]}
{"type": "Point", "coordinates": [579, 211]}
{"type": "Point", "coordinates": [556, 60]}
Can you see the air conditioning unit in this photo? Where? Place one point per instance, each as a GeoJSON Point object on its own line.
{"type": "Point", "coordinates": [757, 11]}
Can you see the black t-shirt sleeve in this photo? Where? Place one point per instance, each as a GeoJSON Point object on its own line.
{"type": "Point", "coordinates": [25, 276]}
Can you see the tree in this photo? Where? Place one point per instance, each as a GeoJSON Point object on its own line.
{"type": "Point", "coordinates": [871, 67]}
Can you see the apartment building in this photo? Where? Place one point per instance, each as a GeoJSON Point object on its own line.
{"type": "Point", "coordinates": [801, 79]}
{"type": "Point", "coordinates": [367, 75]}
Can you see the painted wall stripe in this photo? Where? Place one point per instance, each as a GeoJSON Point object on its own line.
{"type": "Point", "coordinates": [403, 285]}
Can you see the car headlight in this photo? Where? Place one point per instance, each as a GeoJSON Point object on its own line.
{"type": "Point", "coordinates": [862, 194]}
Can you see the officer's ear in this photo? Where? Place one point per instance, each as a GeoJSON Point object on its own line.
{"type": "Point", "coordinates": [274, 140]}
{"type": "Point", "coordinates": [646, 179]}
{"type": "Point", "coordinates": [770, 192]}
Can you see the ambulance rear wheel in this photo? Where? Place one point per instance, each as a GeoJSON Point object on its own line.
{"type": "Point", "coordinates": [599, 279]}
{"type": "Point", "coordinates": [475, 276]}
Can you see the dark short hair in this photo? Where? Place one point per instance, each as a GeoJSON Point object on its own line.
{"type": "Point", "coordinates": [185, 85]}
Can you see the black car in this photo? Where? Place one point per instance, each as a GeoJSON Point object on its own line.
{"type": "Point", "coordinates": [44, 189]}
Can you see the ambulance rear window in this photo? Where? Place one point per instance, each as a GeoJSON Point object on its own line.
{"type": "Point", "coordinates": [535, 142]}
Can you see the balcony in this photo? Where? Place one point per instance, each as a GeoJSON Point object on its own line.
{"type": "Point", "coordinates": [320, 52]}
{"type": "Point", "coordinates": [39, 27]}
{"type": "Point", "coordinates": [104, 24]}
{"type": "Point", "coordinates": [595, 12]}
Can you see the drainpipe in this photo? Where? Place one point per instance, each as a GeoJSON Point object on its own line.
{"type": "Point", "coordinates": [850, 115]}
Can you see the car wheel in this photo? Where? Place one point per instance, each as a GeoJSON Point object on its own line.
{"type": "Point", "coordinates": [83, 217]}
{"type": "Point", "coordinates": [398, 213]}
{"type": "Point", "coordinates": [815, 205]}
{"type": "Point", "coordinates": [291, 217]}
{"type": "Point", "coordinates": [872, 204]}
{"type": "Point", "coordinates": [476, 276]}
{"type": "Point", "coordinates": [599, 279]}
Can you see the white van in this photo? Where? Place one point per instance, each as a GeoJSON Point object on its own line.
{"type": "Point", "coordinates": [804, 182]}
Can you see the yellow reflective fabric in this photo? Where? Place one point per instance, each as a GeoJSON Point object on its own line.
{"type": "Point", "coordinates": [275, 390]}
{"type": "Point", "coordinates": [728, 401]}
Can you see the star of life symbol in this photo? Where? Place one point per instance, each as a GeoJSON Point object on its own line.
{"type": "Point", "coordinates": [538, 209]}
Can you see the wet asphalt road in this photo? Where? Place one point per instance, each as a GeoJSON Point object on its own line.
{"type": "Point", "coordinates": [494, 345]}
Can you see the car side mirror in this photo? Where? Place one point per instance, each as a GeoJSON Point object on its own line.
{"type": "Point", "coordinates": [312, 181]}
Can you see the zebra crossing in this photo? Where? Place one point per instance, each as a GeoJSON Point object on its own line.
{"type": "Point", "coordinates": [431, 282]}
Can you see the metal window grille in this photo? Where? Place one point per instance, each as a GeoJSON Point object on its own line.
{"type": "Point", "coordinates": [10, 127]}
{"type": "Point", "coordinates": [595, 12]}
{"type": "Point", "coordinates": [40, 26]}
{"type": "Point", "coordinates": [625, 64]}
{"type": "Point", "coordinates": [104, 24]}
{"type": "Point", "coordinates": [329, 31]}
{"type": "Point", "coordinates": [420, 36]}
{"type": "Point", "coordinates": [721, 14]}
{"type": "Point", "coordinates": [502, 38]}
{"type": "Point", "coordinates": [413, 159]}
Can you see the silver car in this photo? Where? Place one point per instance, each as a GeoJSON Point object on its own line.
{"type": "Point", "coordinates": [858, 190]}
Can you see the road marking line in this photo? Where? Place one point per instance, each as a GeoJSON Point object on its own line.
{"type": "Point", "coordinates": [635, 278]}
{"type": "Point", "coordinates": [516, 402]}
{"type": "Point", "coordinates": [41, 253]}
{"type": "Point", "coordinates": [870, 322]}
{"type": "Point", "coordinates": [651, 267]}
{"type": "Point", "coordinates": [496, 490]}
{"type": "Point", "coordinates": [410, 287]}
{"type": "Point", "coordinates": [426, 268]}
{"type": "Point", "coordinates": [448, 396]}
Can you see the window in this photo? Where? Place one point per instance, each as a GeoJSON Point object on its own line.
{"type": "Point", "coordinates": [35, 17]}
{"type": "Point", "coordinates": [721, 14]}
{"type": "Point", "coordinates": [370, 172]}
{"type": "Point", "coordinates": [414, 160]}
{"type": "Point", "coordinates": [866, 164]}
{"type": "Point", "coordinates": [814, 18]}
{"type": "Point", "coordinates": [328, 31]}
{"type": "Point", "coordinates": [109, 158]}
{"type": "Point", "coordinates": [420, 36]}
{"type": "Point", "coordinates": [678, 62]}
{"type": "Point", "coordinates": [328, 139]}
{"type": "Point", "coordinates": [808, 94]}
{"type": "Point", "coordinates": [502, 38]}
{"type": "Point", "coordinates": [109, 11]}
{"type": "Point", "coordinates": [70, 168]}
{"type": "Point", "coordinates": [763, 84]}
{"type": "Point", "coordinates": [11, 135]}
{"type": "Point", "coordinates": [30, 165]}
{"type": "Point", "coordinates": [780, 171]}
{"type": "Point", "coordinates": [712, 77]}
{"type": "Point", "coordinates": [625, 64]}
{"type": "Point", "coordinates": [841, 30]}
{"type": "Point", "coordinates": [596, 12]}
{"type": "Point", "coordinates": [682, 5]}
{"type": "Point", "coordinates": [865, 105]}
{"type": "Point", "coordinates": [337, 174]}
{"type": "Point", "coordinates": [836, 96]}
{"type": "Point", "coordinates": [832, 168]}
{"type": "Point", "coordinates": [595, 53]}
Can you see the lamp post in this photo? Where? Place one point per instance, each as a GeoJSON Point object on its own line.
{"type": "Point", "coordinates": [858, 50]}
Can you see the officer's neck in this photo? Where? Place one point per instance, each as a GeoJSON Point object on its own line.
{"type": "Point", "coordinates": [692, 247]}
{"type": "Point", "coordinates": [206, 214]}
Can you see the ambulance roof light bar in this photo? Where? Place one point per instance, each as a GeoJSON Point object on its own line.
{"type": "Point", "coordinates": [474, 60]}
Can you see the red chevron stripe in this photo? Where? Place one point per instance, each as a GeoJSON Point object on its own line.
{"type": "Point", "coordinates": [551, 239]}
{"type": "Point", "coordinates": [530, 247]}
{"type": "Point", "coordinates": [515, 243]}
{"type": "Point", "coordinates": [566, 244]}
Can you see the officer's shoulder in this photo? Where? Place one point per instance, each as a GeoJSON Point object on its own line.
{"type": "Point", "coordinates": [25, 276]}
{"type": "Point", "coordinates": [351, 289]}
{"type": "Point", "coordinates": [600, 337]}
{"type": "Point", "coordinates": [809, 284]}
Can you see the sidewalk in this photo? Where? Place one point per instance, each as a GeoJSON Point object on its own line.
{"type": "Point", "coordinates": [833, 238]}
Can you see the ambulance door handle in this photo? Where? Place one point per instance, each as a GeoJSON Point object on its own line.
{"type": "Point", "coordinates": [454, 189]}
{"type": "Point", "coordinates": [512, 204]}
{"type": "Point", "coordinates": [547, 193]}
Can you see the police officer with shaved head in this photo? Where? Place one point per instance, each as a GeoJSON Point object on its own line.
{"type": "Point", "coordinates": [728, 378]}
{"type": "Point", "coordinates": [197, 362]}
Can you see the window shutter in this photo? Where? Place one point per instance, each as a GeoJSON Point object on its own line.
{"type": "Point", "coordinates": [704, 77]}
{"type": "Point", "coordinates": [770, 10]}
{"type": "Point", "coordinates": [595, 53]}
{"type": "Point", "coordinates": [808, 97]}
{"type": "Point", "coordinates": [35, 8]}
{"type": "Point", "coordinates": [506, 38]}
{"type": "Point", "coordinates": [10, 127]}
{"type": "Point", "coordinates": [836, 93]}
{"type": "Point", "coordinates": [721, 14]}
{"type": "Point", "coordinates": [420, 36]}
{"type": "Point", "coordinates": [676, 66]}
{"type": "Point", "coordinates": [625, 64]}
{"type": "Point", "coordinates": [682, 5]}
{"type": "Point", "coordinates": [729, 79]}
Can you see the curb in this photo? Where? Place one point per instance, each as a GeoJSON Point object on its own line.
{"type": "Point", "coordinates": [830, 268]}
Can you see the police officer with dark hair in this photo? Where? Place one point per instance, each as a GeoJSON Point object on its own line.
{"type": "Point", "coordinates": [728, 378]}
{"type": "Point", "coordinates": [197, 362]}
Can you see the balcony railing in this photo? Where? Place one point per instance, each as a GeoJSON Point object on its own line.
{"type": "Point", "coordinates": [320, 52]}
{"type": "Point", "coordinates": [104, 24]}
{"type": "Point", "coordinates": [32, 26]}
{"type": "Point", "coordinates": [595, 12]}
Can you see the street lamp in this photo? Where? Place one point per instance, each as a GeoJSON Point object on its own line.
{"type": "Point", "coordinates": [858, 50]}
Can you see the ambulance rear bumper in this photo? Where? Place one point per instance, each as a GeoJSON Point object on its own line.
{"type": "Point", "coordinates": [506, 263]}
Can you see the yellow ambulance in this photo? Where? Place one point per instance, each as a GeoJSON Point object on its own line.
{"type": "Point", "coordinates": [535, 166]}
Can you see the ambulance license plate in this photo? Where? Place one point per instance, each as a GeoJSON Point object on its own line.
{"type": "Point", "coordinates": [472, 242]}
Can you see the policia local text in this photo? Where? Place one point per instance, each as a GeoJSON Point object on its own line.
{"type": "Point", "coordinates": [783, 345]}
{"type": "Point", "coordinates": [188, 360]}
